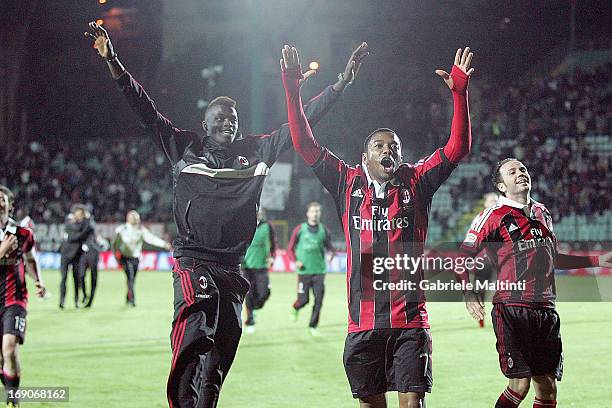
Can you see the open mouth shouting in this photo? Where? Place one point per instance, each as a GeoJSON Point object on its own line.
{"type": "Point", "coordinates": [388, 164]}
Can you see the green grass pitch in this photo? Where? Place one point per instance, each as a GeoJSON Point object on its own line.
{"type": "Point", "coordinates": [115, 356]}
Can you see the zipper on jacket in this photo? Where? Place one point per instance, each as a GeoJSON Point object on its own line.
{"type": "Point", "coordinates": [187, 219]}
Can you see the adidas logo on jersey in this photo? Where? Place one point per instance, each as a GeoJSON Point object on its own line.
{"type": "Point", "coordinates": [357, 193]}
{"type": "Point", "coordinates": [513, 227]}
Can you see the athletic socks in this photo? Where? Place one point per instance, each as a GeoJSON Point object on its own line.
{"type": "Point", "coordinates": [540, 403]}
{"type": "Point", "coordinates": [509, 399]}
{"type": "Point", "coordinates": [11, 383]}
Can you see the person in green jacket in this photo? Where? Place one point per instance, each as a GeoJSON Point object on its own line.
{"type": "Point", "coordinates": [307, 247]}
{"type": "Point", "coordinates": [257, 261]}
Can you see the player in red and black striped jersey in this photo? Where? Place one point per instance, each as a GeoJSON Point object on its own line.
{"type": "Point", "coordinates": [383, 205]}
{"type": "Point", "coordinates": [517, 234]}
{"type": "Point", "coordinates": [16, 257]}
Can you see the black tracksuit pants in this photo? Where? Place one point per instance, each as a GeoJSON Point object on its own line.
{"type": "Point", "coordinates": [259, 291]}
{"type": "Point", "coordinates": [206, 330]}
{"type": "Point", "coordinates": [89, 260]}
{"type": "Point", "coordinates": [316, 283]}
{"type": "Point", "coordinates": [65, 263]}
{"type": "Point", "coordinates": [130, 266]}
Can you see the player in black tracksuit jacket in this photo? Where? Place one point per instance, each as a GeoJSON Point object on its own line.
{"type": "Point", "coordinates": [217, 182]}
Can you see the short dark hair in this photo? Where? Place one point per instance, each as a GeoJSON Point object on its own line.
{"type": "Point", "coordinates": [496, 178]}
{"type": "Point", "coordinates": [313, 204]}
{"type": "Point", "coordinates": [221, 101]}
{"type": "Point", "coordinates": [11, 197]}
{"type": "Point", "coordinates": [369, 137]}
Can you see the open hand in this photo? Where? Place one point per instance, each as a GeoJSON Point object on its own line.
{"type": "Point", "coordinates": [462, 61]}
{"type": "Point", "coordinates": [474, 305]}
{"type": "Point", "coordinates": [101, 39]}
{"type": "Point", "coordinates": [354, 62]}
{"type": "Point", "coordinates": [291, 60]}
{"type": "Point", "coordinates": [41, 291]}
{"type": "Point", "coordinates": [9, 244]}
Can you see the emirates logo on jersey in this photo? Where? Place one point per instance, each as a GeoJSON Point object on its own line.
{"type": "Point", "coordinates": [243, 160]}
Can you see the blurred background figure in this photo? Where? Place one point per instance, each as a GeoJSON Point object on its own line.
{"type": "Point", "coordinates": [127, 247]}
{"type": "Point", "coordinates": [94, 244]}
{"type": "Point", "coordinates": [309, 242]}
{"type": "Point", "coordinates": [76, 231]}
{"type": "Point", "coordinates": [258, 259]}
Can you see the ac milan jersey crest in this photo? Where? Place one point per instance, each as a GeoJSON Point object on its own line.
{"type": "Point", "coordinates": [243, 160]}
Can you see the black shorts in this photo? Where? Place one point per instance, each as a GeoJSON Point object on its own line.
{"type": "Point", "coordinates": [381, 360]}
{"type": "Point", "coordinates": [528, 341]}
{"type": "Point", "coordinates": [14, 321]}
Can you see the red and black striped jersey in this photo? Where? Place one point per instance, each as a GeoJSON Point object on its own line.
{"type": "Point", "coordinates": [522, 248]}
{"type": "Point", "coordinates": [12, 272]}
{"type": "Point", "coordinates": [381, 228]}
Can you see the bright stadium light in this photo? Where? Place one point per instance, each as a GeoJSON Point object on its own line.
{"type": "Point", "coordinates": [99, 21]}
{"type": "Point", "coordinates": [313, 65]}
{"type": "Point", "coordinates": [101, 1]}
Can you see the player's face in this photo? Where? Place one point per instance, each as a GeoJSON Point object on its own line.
{"type": "Point", "coordinates": [383, 145]}
{"type": "Point", "coordinates": [313, 214]}
{"type": "Point", "coordinates": [516, 179]}
{"type": "Point", "coordinates": [4, 208]}
{"type": "Point", "coordinates": [79, 215]}
{"type": "Point", "coordinates": [222, 124]}
{"type": "Point", "coordinates": [133, 218]}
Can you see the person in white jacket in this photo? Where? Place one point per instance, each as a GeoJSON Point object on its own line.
{"type": "Point", "coordinates": [127, 247]}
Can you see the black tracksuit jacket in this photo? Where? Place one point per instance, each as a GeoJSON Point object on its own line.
{"type": "Point", "coordinates": [216, 189]}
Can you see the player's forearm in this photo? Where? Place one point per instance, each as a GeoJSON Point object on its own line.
{"type": "Point", "coordinates": [460, 140]}
{"type": "Point", "coordinates": [318, 106]}
{"type": "Point", "coordinates": [564, 261]}
{"type": "Point", "coordinates": [154, 240]}
{"type": "Point", "coordinates": [115, 67]}
{"type": "Point", "coordinates": [301, 134]}
{"type": "Point", "coordinates": [33, 270]}
{"type": "Point", "coordinates": [138, 99]}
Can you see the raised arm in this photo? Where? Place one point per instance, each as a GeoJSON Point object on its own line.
{"type": "Point", "coordinates": [317, 107]}
{"type": "Point", "coordinates": [460, 140]}
{"type": "Point", "coordinates": [172, 140]}
{"type": "Point", "coordinates": [301, 134]}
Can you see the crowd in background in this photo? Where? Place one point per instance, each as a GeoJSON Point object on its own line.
{"type": "Point", "coordinates": [559, 126]}
{"type": "Point", "coordinates": [545, 121]}
{"type": "Point", "coordinates": [110, 178]}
